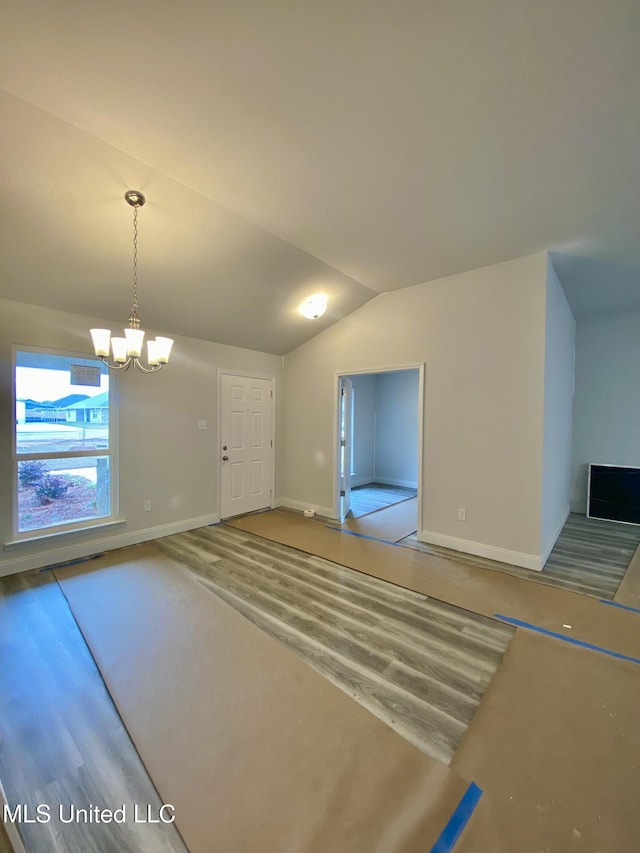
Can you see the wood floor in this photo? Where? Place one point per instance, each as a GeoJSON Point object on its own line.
{"type": "Point", "coordinates": [419, 664]}
{"type": "Point", "coordinates": [374, 496]}
{"type": "Point", "coordinates": [61, 738]}
{"type": "Point", "coordinates": [590, 556]}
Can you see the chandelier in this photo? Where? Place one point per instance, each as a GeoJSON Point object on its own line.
{"type": "Point", "coordinates": [127, 350]}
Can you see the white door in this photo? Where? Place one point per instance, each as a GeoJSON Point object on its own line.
{"type": "Point", "coordinates": [346, 431]}
{"type": "Point", "coordinates": [246, 444]}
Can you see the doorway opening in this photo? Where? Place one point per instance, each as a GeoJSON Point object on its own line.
{"type": "Point", "coordinates": [379, 441]}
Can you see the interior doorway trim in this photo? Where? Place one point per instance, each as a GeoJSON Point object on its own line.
{"type": "Point", "coordinates": [248, 375]}
{"type": "Point", "coordinates": [420, 367]}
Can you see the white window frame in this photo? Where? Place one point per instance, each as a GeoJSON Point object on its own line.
{"type": "Point", "coordinates": [110, 453]}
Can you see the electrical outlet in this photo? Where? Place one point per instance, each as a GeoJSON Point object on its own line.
{"type": "Point", "coordinates": [147, 506]}
{"type": "Point", "coordinates": [202, 424]}
{"type": "Point", "coordinates": [462, 514]}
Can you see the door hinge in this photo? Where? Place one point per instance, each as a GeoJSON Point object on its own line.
{"type": "Point", "coordinates": [343, 494]}
{"type": "Point", "coordinates": [272, 394]}
{"type": "Point", "coordinates": [271, 442]}
{"type": "Point", "coordinates": [343, 442]}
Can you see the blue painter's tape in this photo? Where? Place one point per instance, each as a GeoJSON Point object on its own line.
{"type": "Point", "coordinates": [364, 536]}
{"type": "Point", "coordinates": [571, 640]}
{"type": "Point", "coordinates": [458, 820]}
{"type": "Point", "coordinates": [621, 606]}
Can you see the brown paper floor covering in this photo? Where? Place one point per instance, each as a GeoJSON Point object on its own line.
{"type": "Point", "coordinates": [255, 750]}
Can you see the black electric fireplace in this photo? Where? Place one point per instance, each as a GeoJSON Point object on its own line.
{"type": "Point", "coordinates": [614, 493]}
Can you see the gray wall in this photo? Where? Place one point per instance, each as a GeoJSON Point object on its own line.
{"type": "Point", "coordinates": [162, 454]}
{"type": "Point", "coordinates": [558, 411]}
{"type": "Point", "coordinates": [481, 336]}
{"type": "Point", "coordinates": [397, 428]}
{"type": "Point", "coordinates": [607, 397]}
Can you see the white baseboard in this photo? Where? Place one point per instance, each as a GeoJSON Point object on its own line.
{"type": "Point", "coordinates": [491, 552]}
{"type": "Point", "coordinates": [325, 511]}
{"type": "Point", "coordinates": [87, 548]}
{"type": "Point", "coordinates": [389, 481]}
{"type": "Point", "coordinates": [546, 551]}
{"type": "Point", "coordinates": [361, 481]}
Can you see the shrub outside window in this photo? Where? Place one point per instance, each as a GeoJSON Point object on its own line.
{"type": "Point", "coordinates": [63, 443]}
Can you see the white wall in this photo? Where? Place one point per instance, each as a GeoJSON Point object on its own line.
{"type": "Point", "coordinates": [162, 454]}
{"type": "Point", "coordinates": [364, 428]}
{"type": "Point", "coordinates": [558, 412]}
{"type": "Point", "coordinates": [396, 448]}
{"type": "Point", "coordinates": [481, 335]}
{"type": "Point", "coordinates": [607, 397]}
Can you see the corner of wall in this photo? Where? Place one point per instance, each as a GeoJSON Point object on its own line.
{"type": "Point", "coordinates": [551, 541]}
{"type": "Point", "coordinates": [557, 425]}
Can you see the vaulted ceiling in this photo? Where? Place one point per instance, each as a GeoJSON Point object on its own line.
{"type": "Point", "coordinates": [287, 147]}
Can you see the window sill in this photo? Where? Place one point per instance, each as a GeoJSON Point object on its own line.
{"type": "Point", "coordinates": [43, 537]}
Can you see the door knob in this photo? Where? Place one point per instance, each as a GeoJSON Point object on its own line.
{"type": "Point", "coordinates": [225, 458]}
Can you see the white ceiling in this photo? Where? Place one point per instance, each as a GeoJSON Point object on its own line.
{"type": "Point", "coordinates": [355, 146]}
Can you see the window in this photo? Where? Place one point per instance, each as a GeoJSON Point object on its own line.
{"type": "Point", "coordinates": [63, 443]}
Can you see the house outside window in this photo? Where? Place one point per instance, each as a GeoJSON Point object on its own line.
{"type": "Point", "coordinates": [64, 443]}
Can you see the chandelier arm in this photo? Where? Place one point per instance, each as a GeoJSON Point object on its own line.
{"type": "Point", "coordinates": [137, 363]}
{"type": "Point", "coordinates": [125, 365]}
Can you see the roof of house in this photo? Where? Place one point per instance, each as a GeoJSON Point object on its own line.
{"type": "Point", "coordinates": [100, 401]}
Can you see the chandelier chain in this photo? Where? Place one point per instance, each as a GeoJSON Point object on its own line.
{"type": "Point", "coordinates": [135, 258]}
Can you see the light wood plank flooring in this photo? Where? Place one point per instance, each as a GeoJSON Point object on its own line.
{"type": "Point", "coordinates": [61, 738]}
{"type": "Point", "coordinates": [374, 496]}
{"type": "Point", "coordinates": [419, 664]}
{"type": "Point", "coordinates": [590, 556]}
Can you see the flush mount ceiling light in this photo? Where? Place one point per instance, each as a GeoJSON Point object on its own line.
{"type": "Point", "coordinates": [314, 306]}
{"type": "Point", "coordinates": [127, 350]}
